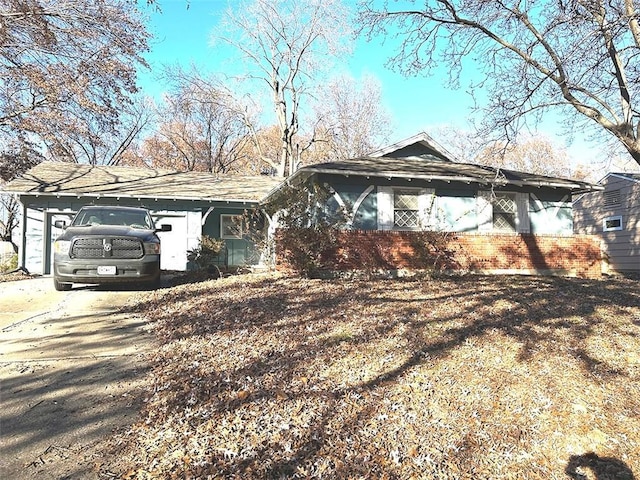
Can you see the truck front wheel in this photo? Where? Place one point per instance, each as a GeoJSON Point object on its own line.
{"type": "Point", "coordinates": [60, 286]}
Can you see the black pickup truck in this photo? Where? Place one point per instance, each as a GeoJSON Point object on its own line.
{"type": "Point", "coordinates": [107, 244]}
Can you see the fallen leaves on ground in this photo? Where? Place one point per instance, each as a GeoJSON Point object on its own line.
{"type": "Point", "coordinates": [266, 376]}
{"type": "Point", "coordinates": [15, 276]}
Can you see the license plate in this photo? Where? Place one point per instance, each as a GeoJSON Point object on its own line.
{"type": "Point", "coordinates": [106, 270]}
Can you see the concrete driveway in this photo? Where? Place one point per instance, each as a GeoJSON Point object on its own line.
{"type": "Point", "coordinates": [69, 364]}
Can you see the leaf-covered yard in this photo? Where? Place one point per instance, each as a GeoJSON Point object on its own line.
{"type": "Point", "coordinates": [472, 377]}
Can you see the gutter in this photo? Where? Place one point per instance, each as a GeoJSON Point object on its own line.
{"type": "Point", "coordinates": [138, 197]}
{"type": "Point", "coordinates": [576, 188]}
{"type": "Point", "coordinates": [427, 177]}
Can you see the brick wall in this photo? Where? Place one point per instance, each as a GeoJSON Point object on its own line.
{"type": "Point", "coordinates": [577, 255]}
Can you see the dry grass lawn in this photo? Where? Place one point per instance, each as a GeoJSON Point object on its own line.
{"type": "Point", "coordinates": [472, 377]}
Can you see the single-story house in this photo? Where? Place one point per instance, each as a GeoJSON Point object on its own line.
{"type": "Point", "coordinates": [414, 185]}
{"type": "Point", "coordinates": [614, 215]}
{"type": "Point", "coordinates": [194, 203]}
{"type": "Point", "coordinates": [505, 221]}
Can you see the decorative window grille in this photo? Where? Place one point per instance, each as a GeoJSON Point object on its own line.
{"type": "Point", "coordinates": [505, 212]}
{"type": "Point", "coordinates": [406, 209]}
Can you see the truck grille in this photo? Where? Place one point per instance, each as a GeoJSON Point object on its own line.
{"type": "Point", "coordinates": [117, 247]}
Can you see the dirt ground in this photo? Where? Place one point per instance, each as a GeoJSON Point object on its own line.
{"type": "Point", "coordinates": [69, 365]}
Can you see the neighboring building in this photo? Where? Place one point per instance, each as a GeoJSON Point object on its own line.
{"type": "Point", "coordinates": [194, 203]}
{"type": "Point", "coordinates": [614, 215]}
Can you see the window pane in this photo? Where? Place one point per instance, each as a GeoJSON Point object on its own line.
{"type": "Point", "coordinates": [405, 209]}
{"type": "Point", "coordinates": [406, 218]}
{"type": "Point", "coordinates": [231, 226]}
{"type": "Point", "coordinates": [405, 200]}
{"type": "Point", "coordinates": [504, 212]}
{"type": "Point", "coordinates": [505, 203]}
{"type": "Point", "coordinates": [504, 222]}
{"type": "Point", "coordinates": [613, 223]}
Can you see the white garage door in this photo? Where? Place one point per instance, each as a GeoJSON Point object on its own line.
{"type": "Point", "coordinates": [174, 243]}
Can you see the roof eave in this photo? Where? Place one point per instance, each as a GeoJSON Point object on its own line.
{"type": "Point", "coordinates": [578, 187]}
{"type": "Point", "coordinates": [149, 197]}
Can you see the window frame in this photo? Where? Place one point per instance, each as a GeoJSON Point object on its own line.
{"type": "Point", "coordinates": [485, 200]}
{"type": "Point", "coordinates": [513, 196]}
{"type": "Point", "coordinates": [406, 190]}
{"type": "Point", "coordinates": [224, 219]}
{"type": "Point", "coordinates": [612, 218]}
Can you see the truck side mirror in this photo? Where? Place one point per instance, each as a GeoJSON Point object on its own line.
{"type": "Point", "coordinates": [60, 223]}
{"type": "Point", "coordinates": [164, 228]}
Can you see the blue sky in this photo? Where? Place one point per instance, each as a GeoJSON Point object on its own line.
{"type": "Point", "coordinates": [183, 35]}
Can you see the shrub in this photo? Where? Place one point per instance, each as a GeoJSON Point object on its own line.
{"type": "Point", "coordinates": [206, 253]}
{"type": "Point", "coordinates": [9, 263]}
{"type": "Point", "coordinates": [308, 250]}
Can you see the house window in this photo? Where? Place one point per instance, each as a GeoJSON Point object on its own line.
{"type": "Point", "coordinates": [612, 198]}
{"type": "Point", "coordinates": [406, 210]}
{"type": "Point", "coordinates": [230, 226]}
{"type": "Point", "coordinates": [611, 224]}
{"type": "Point", "coordinates": [505, 212]}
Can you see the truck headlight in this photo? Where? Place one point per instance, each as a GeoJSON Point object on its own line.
{"type": "Point", "coordinates": [61, 247]}
{"type": "Point", "coordinates": [151, 248]}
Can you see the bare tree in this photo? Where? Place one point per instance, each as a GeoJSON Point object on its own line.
{"type": "Point", "coordinates": [67, 64]}
{"type": "Point", "coordinates": [263, 145]}
{"type": "Point", "coordinates": [577, 55]}
{"type": "Point", "coordinates": [94, 143]}
{"type": "Point", "coordinates": [287, 43]}
{"type": "Point", "coordinates": [203, 127]}
{"type": "Point", "coordinates": [18, 155]}
{"type": "Point", "coordinates": [9, 216]}
{"type": "Point", "coordinates": [537, 154]}
{"type": "Point", "coordinates": [351, 118]}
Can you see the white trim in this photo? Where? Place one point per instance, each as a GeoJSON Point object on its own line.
{"type": "Point", "coordinates": [622, 176]}
{"type": "Point", "coordinates": [361, 198]}
{"type": "Point", "coordinates": [484, 210]}
{"type": "Point", "coordinates": [385, 208]}
{"type": "Point", "coordinates": [612, 218]}
{"type": "Point", "coordinates": [421, 137]}
{"type": "Point", "coordinates": [523, 223]}
{"type": "Point", "coordinates": [356, 205]}
{"type": "Point", "coordinates": [206, 215]}
{"type": "Point", "coordinates": [427, 209]}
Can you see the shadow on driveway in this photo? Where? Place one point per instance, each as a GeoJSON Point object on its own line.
{"type": "Point", "coordinates": [68, 375]}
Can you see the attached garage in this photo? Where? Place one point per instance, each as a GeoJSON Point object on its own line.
{"type": "Point", "coordinates": [193, 203]}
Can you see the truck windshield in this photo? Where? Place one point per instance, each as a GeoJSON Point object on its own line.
{"type": "Point", "coordinates": [86, 218]}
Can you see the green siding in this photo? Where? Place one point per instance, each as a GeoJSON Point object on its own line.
{"type": "Point", "coordinates": [456, 211]}
{"type": "Point", "coordinates": [551, 213]}
{"type": "Point", "coordinates": [237, 252]}
{"type": "Point", "coordinates": [550, 210]}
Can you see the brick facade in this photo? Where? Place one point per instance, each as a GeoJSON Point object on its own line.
{"type": "Point", "coordinates": [577, 255]}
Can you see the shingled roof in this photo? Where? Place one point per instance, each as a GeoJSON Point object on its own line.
{"type": "Point", "coordinates": [629, 176]}
{"type": "Point", "coordinates": [72, 179]}
{"type": "Point", "coordinates": [434, 169]}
